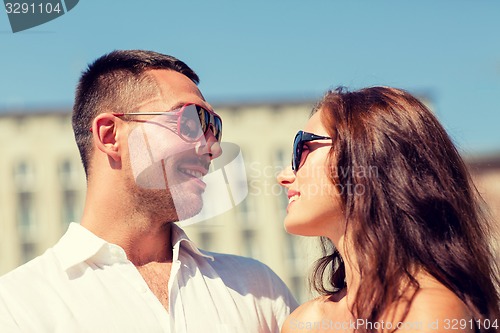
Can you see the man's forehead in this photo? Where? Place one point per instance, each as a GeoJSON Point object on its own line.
{"type": "Point", "coordinates": [174, 90]}
{"type": "Point", "coordinates": [172, 80]}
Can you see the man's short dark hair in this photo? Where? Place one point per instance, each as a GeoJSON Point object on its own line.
{"type": "Point", "coordinates": [116, 82]}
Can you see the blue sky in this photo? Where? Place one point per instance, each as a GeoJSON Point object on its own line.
{"type": "Point", "coordinates": [254, 50]}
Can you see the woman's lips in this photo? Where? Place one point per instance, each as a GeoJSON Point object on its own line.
{"type": "Point", "coordinates": [292, 197]}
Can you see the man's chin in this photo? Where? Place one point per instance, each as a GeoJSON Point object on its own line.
{"type": "Point", "coordinates": [188, 206]}
{"type": "Point", "coordinates": [187, 214]}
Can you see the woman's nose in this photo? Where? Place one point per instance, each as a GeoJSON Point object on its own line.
{"type": "Point", "coordinates": [286, 176]}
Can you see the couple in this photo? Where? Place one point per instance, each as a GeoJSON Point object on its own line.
{"type": "Point", "coordinates": [408, 246]}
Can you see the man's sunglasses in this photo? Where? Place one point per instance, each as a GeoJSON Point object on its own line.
{"type": "Point", "coordinates": [193, 121]}
{"type": "Point", "coordinates": [298, 146]}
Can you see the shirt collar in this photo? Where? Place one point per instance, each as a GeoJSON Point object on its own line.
{"type": "Point", "coordinates": [179, 237]}
{"type": "Point", "coordinates": [79, 245]}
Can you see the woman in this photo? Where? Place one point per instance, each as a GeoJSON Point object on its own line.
{"type": "Point", "coordinates": [406, 245]}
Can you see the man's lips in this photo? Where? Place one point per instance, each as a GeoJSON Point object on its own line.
{"type": "Point", "coordinates": [194, 167]}
{"type": "Point", "coordinates": [196, 171]}
{"type": "Point", "coordinates": [192, 172]}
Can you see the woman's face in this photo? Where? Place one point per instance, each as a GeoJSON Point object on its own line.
{"type": "Point", "coordinates": [314, 204]}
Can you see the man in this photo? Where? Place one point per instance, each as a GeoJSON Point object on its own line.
{"type": "Point", "coordinates": [146, 137]}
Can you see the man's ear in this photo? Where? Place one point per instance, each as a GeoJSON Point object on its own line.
{"type": "Point", "coordinates": [105, 134]}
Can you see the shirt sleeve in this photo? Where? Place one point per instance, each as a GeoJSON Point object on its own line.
{"type": "Point", "coordinates": [285, 303]}
{"type": "Point", "coordinates": [7, 321]}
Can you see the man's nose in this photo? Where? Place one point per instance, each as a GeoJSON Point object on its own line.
{"type": "Point", "coordinates": [211, 146]}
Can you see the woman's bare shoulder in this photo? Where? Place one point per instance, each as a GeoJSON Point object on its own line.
{"type": "Point", "coordinates": [436, 308]}
{"type": "Point", "coordinates": [311, 316]}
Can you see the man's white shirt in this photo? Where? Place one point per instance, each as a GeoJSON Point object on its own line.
{"type": "Point", "coordinates": [85, 284]}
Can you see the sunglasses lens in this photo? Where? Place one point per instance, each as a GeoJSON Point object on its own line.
{"type": "Point", "coordinates": [195, 121]}
{"type": "Point", "coordinates": [217, 127]}
{"type": "Point", "coordinates": [297, 151]}
{"type": "Point", "coordinates": [210, 120]}
{"type": "Point", "coordinates": [192, 122]}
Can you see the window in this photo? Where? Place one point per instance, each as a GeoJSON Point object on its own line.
{"type": "Point", "coordinates": [26, 214]}
{"type": "Point", "coordinates": [28, 251]}
{"type": "Point", "coordinates": [24, 176]}
{"type": "Point", "coordinates": [71, 205]}
{"type": "Point", "coordinates": [206, 241]}
{"type": "Point", "coordinates": [282, 160]}
{"type": "Point", "coordinates": [24, 180]}
{"type": "Point", "coordinates": [68, 174]}
{"type": "Point", "coordinates": [247, 213]}
{"type": "Point", "coordinates": [299, 289]}
{"type": "Point", "coordinates": [250, 244]}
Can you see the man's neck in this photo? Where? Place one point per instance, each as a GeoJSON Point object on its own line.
{"type": "Point", "coordinates": [122, 219]}
{"type": "Point", "coordinates": [149, 245]}
{"type": "Point", "coordinates": [143, 240]}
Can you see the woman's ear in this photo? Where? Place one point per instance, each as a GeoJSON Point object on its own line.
{"type": "Point", "coordinates": [105, 134]}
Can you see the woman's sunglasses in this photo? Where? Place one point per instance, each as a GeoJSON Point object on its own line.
{"type": "Point", "coordinates": [193, 121]}
{"type": "Point", "coordinates": [298, 146]}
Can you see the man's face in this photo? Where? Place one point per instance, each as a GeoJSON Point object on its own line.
{"type": "Point", "coordinates": [166, 171]}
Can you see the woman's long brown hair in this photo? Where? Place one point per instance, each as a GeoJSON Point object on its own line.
{"type": "Point", "coordinates": [412, 205]}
